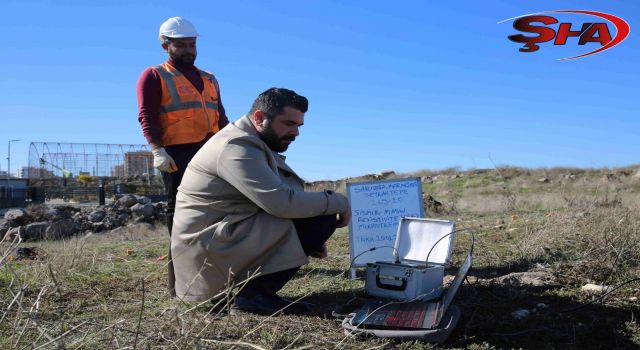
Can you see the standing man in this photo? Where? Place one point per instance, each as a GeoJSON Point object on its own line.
{"type": "Point", "coordinates": [179, 110]}
{"type": "Point", "coordinates": [241, 209]}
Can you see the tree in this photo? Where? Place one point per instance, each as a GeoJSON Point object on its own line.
{"type": "Point", "coordinates": [86, 180]}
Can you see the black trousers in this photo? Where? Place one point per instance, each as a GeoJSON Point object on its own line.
{"type": "Point", "coordinates": [181, 155]}
{"type": "Point", "coordinates": [313, 233]}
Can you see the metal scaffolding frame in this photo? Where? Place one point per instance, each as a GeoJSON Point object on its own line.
{"type": "Point", "coordinates": [60, 159]}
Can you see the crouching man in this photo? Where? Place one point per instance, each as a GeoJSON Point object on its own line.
{"type": "Point", "coordinates": [240, 208]}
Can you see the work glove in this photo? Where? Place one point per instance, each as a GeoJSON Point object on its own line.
{"type": "Point", "coordinates": [163, 161]}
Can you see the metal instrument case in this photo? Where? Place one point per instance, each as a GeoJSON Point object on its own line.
{"type": "Point", "coordinates": [409, 275]}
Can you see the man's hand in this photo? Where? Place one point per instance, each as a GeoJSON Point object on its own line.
{"type": "Point", "coordinates": [344, 217]}
{"type": "Point", "coordinates": [163, 161]}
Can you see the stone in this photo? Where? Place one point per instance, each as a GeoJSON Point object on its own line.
{"type": "Point", "coordinates": [98, 227]}
{"type": "Point", "coordinates": [4, 228]}
{"type": "Point", "coordinates": [520, 314]}
{"type": "Point", "coordinates": [17, 217]}
{"type": "Point", "coordinates": [97, 215]}
{"type": "Point", "coordinates": [66, 211]}
{"type": "Point", "coordinates": [432, 205]}
{"type": "Point", "coordinates": [30, 253]}
{"type": "Point", "coordinates": [143, 210]}
{"type": "Point", "coordinates": [143, 200]}
{"type": "Point", "coordinates": [128, 200]}
{"type": "Point", "coordinates": [544, 180]}
{"type": "Point", "coordinates": [385, 174]}
{"type": "Point", "coordinates": [54, 214]}
{"type": "Point", "coordinates": [542, 306]}
{"type": "Point", "coordinates": [528, 279]}
{"type": "Point", "coordinates": [123, 217]}
{"type": "Point", "coordinates": [35, 230]}
{"type": "Point", "coordinates": [60, 229]}
{"type": "Point", "coordinates": [595, 288]}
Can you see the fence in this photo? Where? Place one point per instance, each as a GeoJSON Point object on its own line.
{"type": "Point", "coordinates": [14, 197]}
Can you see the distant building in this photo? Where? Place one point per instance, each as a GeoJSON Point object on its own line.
{"type": "Point", "coordinates": [117, 171]}
{"type": "Point", "coordinates": [138, 163]}
{"type": "Point", "coordinates": [30, 172]}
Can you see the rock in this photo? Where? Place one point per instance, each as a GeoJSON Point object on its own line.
{"type": "Point", "coordinates": [60, 229]}
{"type": "Point", "coordinates": [4, 228]}
{"type": "Point", "coordinates": [143, 200]}
{"type": "Point", "coordinates": [633, 299]}
{"type": "Point", "coordinates": [542, 306]}
{"type": "Point", "coordinates": [54, 214]}
{"type": "Point", "coordinates": [110, 223]}
{"type": "Point", "coordinates": [98, 227]}
{"type": "Point", "coordinates": [143, 210]}
{"type": "Point", "coordinates": [520, 314]}
{"type": "Point", "coordinates": [17, 217]}
{"type": "Point", "coordinates": [123, 217]}
{"type": "Point", "coordinates": [119, 209]}
{"type": "Point", "coordinates": [67, 210]}
{"type": "Point", "coordinates": [432, 205]}
{"type": "Point", "coordinates": [529, 279]}
{"type": "Point", "coordinates": [544, 180]}
{"type": "Point", "coordinates": [426, 179]}
{"type": "Point", "coordinates": [385, 174]}
{"type": "Point", "coordinates": [595, 288]}
{"type": "Point", "coordinates": [83, 225]}
{"type": "Point", "coordinates": [34, 230]}
{"type": "Point", "coordinates": [128, 200]}
{"type": "Point", "coordinates": [97, 215]}
{"type": "Point", "coordinates": [30, 253]}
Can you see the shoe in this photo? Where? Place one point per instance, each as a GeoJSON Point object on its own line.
{"type": "Point", "coordinates": [320, 254]}
{"type": "Point", "coordinates": [264, 304]}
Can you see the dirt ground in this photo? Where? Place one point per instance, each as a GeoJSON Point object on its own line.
{"type": "Point", "coordinates": [538, 243]}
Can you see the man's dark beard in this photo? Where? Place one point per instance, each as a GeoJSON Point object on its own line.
{"type": "Point", "coordinates": [273, 141]}
{"type": "Point", "coordinates": [184, 60]}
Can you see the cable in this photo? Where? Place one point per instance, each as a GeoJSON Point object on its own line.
{"type": "Point", "coordinates": [600, 297]}
{"type": "Point", "coordinates": [370, 250]}
{"type": "Point", "coordinates": [473, 242]}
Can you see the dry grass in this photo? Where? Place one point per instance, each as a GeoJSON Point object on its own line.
{"type": "Point", "coordinates": [107, 291]}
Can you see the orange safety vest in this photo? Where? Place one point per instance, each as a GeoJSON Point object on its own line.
{"type": "Point", "coordinates": [186, 116]}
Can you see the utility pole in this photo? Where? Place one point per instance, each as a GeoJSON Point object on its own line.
{"type": "Point", "coordinates": [9, 161]}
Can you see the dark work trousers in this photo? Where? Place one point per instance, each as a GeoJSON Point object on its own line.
{"type": "Point", "coordinates": [313, 233]}
{"type": "Point", "coordinates": [181, 155]}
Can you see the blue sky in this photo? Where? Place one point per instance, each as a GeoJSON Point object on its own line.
{"type": "Point", "coordinates": [403, 85]}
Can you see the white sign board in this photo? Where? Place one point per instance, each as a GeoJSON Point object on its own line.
{"type": "Point", "coordinates": [377, 207]}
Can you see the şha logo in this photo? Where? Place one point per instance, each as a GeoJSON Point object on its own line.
{"type": "Point", "coordinates": [589, 32]}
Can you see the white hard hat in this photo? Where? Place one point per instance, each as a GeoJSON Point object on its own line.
{"type": "Point", "coordinates": [177, 27]}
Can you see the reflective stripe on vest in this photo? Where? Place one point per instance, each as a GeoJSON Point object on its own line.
{"type": "Point", "coordinates": [189, 116]}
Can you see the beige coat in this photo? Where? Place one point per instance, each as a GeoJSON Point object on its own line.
{"type": "Point", "coordinates": [233, 212]}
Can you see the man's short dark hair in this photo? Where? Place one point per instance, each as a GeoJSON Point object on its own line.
{"type": "Point", "coordinates": [273, 101]}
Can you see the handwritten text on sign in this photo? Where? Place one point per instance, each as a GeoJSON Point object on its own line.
{"type": "Point", "coordinates": [377, 208]}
